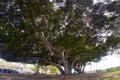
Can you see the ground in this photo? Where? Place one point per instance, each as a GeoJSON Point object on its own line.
{"type": "Point", "coordinates": [85, 76]}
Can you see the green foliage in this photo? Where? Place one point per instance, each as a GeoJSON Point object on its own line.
{"type": "Point", "coordinates": [74, 29]}
{"type": "Point", "coordinates": [112, 40]}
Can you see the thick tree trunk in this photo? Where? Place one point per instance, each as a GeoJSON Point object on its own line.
{"type": "Point", "coordinates": [67, 68]}
{"type": "Point", "coordinates": [66, 65]}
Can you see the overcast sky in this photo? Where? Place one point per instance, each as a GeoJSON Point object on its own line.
{"type": "Point", "coordinates": [106, 62]}
{"type": "Point", "coordinates": [95, 1]}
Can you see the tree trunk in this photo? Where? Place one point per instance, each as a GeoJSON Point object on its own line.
{"type": "Point", "coordinates": [37, 69]}
{"type": "Point", "coordinates": [80, 68]}
{"type": "Point", "coordinates": [67, 68]}
{"type": "Point", "coordinates": [83, 68]}
{"type": "Point", "coordinates": [66, 65]}
{"type": "Point", "coordinates": [58, 54]}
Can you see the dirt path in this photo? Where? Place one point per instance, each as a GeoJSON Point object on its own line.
{"type": "Point", "coordinates": [90, 76]}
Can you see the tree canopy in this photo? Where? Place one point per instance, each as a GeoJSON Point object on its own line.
{"type": "Point", "coordinates": [63, 33]}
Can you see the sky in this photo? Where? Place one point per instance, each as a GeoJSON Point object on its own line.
{"type": "Point", "coordinates": [106, 62]}
{"type": "Point", "coordinates": [95, 1]}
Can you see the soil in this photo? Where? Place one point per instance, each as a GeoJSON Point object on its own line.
{"type": "Point", "coordinates": [85, 76]}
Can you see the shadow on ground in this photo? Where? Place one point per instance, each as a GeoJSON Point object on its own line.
{"type": "Point", "coordinates": [89, 76]}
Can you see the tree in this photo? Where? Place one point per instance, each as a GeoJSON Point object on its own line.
{"type": "Point", "coordinates": [66, 35]}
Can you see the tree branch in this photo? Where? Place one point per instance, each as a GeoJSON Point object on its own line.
{"type": "Point", "coordinates": [50, 62]}
{"type": "Point", "coordinates": [73, 62]}
{"type": "Point", "coordinates": [52, 49]}
{"type": "Point", "coordinates": [54, 64]}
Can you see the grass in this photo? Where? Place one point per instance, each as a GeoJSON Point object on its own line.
{"type": "Point", "coordinates": [114, 70]}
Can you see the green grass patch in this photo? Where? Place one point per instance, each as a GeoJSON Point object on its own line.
{"type": "Point", "coordinates": [114, 69]}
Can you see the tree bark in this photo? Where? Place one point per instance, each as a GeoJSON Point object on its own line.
{"type": "Point", "coordinates": [80, 68]}
{"type": "Point", "coordinates": [66, 65]}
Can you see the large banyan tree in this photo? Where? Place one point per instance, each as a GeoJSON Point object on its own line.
{"type": "Point", "coordinates": [63, 33]}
